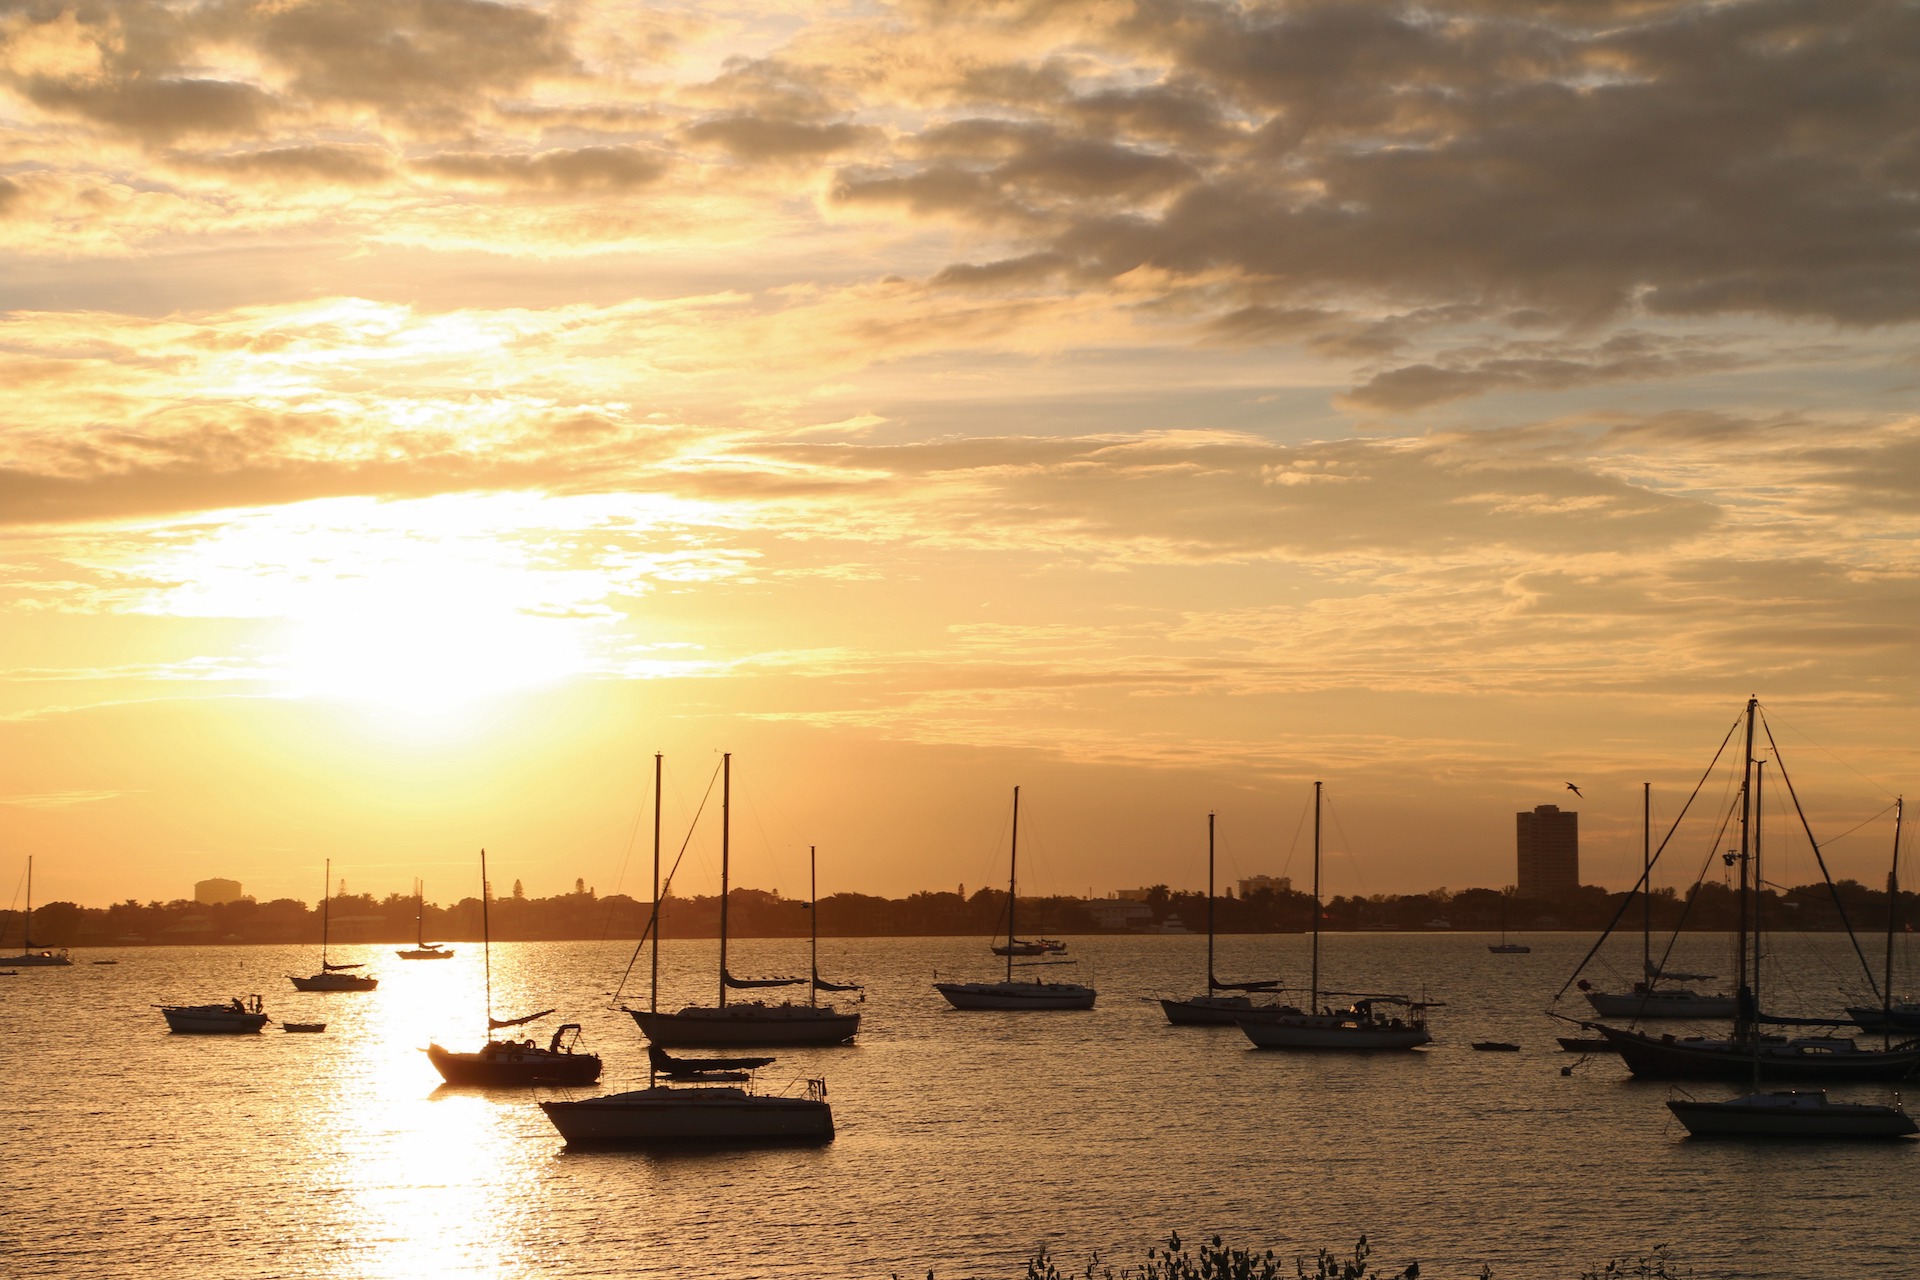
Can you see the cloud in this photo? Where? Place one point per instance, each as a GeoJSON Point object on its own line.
{"type": "Point", "coordinates": [1540, 366]}
{"type": "Point", "coordinates": [759, 138]}
{"type": "Point", "coordinates": [573, 170]}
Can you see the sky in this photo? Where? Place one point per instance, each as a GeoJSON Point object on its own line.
{"type": "Point", "coordinates": [419, 413]}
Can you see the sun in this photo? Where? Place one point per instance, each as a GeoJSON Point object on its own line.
{"type": "Point", "coordinates": [426, 647]}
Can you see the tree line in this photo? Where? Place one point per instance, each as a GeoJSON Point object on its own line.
{"type": "Point", "coordinates": [583, 914]}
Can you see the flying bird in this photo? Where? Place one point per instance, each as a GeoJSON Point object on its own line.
{"type": "Point", "coordinates": [1575, 790]}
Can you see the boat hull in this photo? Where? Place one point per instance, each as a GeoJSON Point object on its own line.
{"type": "Point", "coordinates": [38, 960]}
{"type": "Point", "coordinates": [425, 953]}
{"type": "Point", "coordinates": [1700, 1058]}
{"type": "Point", "coordinates": [698, 1027]}
{"type": "Point", "coordinates": [211, 1020]}
{"type": "Point", "coordinates": [1016, 995]}
{"type": "Point", "coordinates": [1791, 1115]}
{"type": "Point", "coordinates": [666, 1115]}
{"type": "Point", "coordinates": [1218, 1011]}
{"type": "Point", "coordinates": [1659, 1005]}
{"type": "Point", "coordinates": [1334, 1031]}
{"type": "Point", "coordinates": [513, 1064]}
{"type": "Point", "coordinates": [333, 982]}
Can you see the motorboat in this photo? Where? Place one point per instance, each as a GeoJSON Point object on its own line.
{"type": "Point", "coordinates": [1791, 1113]}
{"type": "Point", "coordinates": [239, 1016]}
{"type": "Point", "coordinates": [1010, 993]}
{"type": "Point", "coordinates": [1646, 1001]}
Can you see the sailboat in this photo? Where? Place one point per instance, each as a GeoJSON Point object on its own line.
{"type": "Point", "coordinates": [1361, 1026]}
{"type": "Point", "coordinates": [1009, 994]}
{"type": "Point", "coordinates": [421, 948]}
{"type": "Point", "coordinates": [32, 957]}
{"type": "Point", "coordinates": [1214, 1009]}
{"type": "Point", "coordinates": [332, 977]}
{"type": "Point", "coordinates": [751, 1022]}
{"type": "Point", "coordinates": [513, 1062]}
{"type": "Point", "coordinates": [1503, 947]}
{"type": "Point", "coordinates": [703, 1100]}
{"type": "Point", "coordinates": [1648, 999]}
{"type": "Point", "coordinates": [1750, 1051]}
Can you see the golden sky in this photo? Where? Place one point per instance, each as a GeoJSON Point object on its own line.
{"type": "Point", "coordinates": [419, 412]}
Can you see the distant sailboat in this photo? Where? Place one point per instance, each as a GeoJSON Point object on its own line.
{"type": "Point", "coordinates": [1214, 1009]}
{"type": "Point", "coordinates": [513, 1062]}
{"type": "Point", "coordinates": [1009, 994]}
{"type": "Point", "coordinates": [751, 1022]}
{"type": "Point", "coordinates": [32, 957]}
{"type": "Point", "coordinates": [332, 977]}
{"type": "Point", "coordinates": [704, 1100]}
{"type": "Point", "coordinates": [1503, 947]}
{"type": "Point", "coordinates": [421, 948]}
{"type": "Point", "coordinates": [1361, 1026]}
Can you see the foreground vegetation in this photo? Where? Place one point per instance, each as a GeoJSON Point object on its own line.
{"type": "Point", "coordinates": [1215, 1260]}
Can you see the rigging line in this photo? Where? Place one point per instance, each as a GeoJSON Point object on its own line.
{"type": "Point", "coordinates": [1780, 764]}
{"type": "Point", "coordinates": [1647, 871]}
{"type": "Point", "coordinates": [1346, 845]}
{"type": "Point", "coordinates": [1827, 752]}
{"type": "Point", "coordinates": [1713, 855]}
{"type": "Point", "coordinates": [620, 878]}
{"type": "Point", "coordinates": [666, 885]}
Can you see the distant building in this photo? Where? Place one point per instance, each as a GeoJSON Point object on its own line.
{"type": "Point", "coordinates": [1254, 884]}
{"type": "Point", "coordinates": [1131, 895]}
{"type": "Point", "coordinates": [1120, 913]}
{"type": "Point", "coordinates": [211, 893]}
{"type": "Point", "coordinates": [1547, 842]}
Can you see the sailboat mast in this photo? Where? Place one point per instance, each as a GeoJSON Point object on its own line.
{"type": "Point", "coordinates": [26, 921]}
{"type": "Point", "coordinates": [1209, 902]}
{"type": "Point", "coordinates": [1743, 995]}
{"type": "Point", "coordinates": [486, 941]}
{"type": "Point", "coordinates": [1759, 879]}
{"type": "Point", "coordinates": [1646, 882]}
{"type": "Point", "coordinates": [726, 834]}
{"type": "Point", "coordinates": [1013, 862]}
{"type": "Point", "coordinates": [1893, 902]}
{"type": "Point", "coordinates": [653, 982]}
{"type": "Point", "coordinates": [813, 924]}
{"type": "Point", "coordinates": [1313, 982]}
{"type": "Point", "coordinates": [326, 903]}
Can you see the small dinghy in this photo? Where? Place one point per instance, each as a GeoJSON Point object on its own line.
{"type": "Point", "coordinates": [309, 1027]}
{"type": "Point", "coordinates": [1496, 1046]}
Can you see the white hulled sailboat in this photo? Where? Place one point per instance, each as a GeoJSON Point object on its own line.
{"type": "Point", "coordinates": [751, 1022]}
{"type": "Point", "coordinates": [1007, 993]}
{"type": "Point", "coordinates": [703, 1100]}
{"type": "Point", "coordinates": [1361, 1025]}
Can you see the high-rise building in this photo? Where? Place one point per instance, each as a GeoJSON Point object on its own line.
{"type": "Point", "coordinates": [213, 892]}
{"type": "Point", "coordinates": [1548, 843]}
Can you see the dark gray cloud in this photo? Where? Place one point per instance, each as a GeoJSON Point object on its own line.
{"type": "Point", "coordinates": [431, 59]}
{"type": "Point", "coordinates": [344, 165]}
{"type": "Point", "coordinates": [1564, 160]}
{"type": "Point", "coordinates": [565, 170]}
{"type": "Point", "coordinates": [1539, 367]}
{"type": "Point", "coordinates": [759, 138]}
{"type": "Point", "coordinates": [161, 110]}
